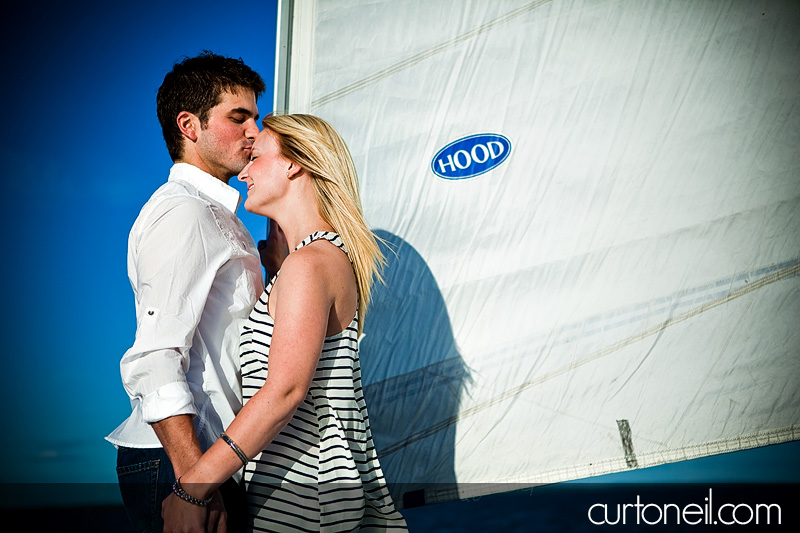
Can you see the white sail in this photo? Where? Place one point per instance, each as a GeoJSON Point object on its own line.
{"type": "Point", "coordinates": [622, 289]}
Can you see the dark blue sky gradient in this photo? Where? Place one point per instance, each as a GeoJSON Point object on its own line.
{"type": "Point", "coordinates": [81, 152]}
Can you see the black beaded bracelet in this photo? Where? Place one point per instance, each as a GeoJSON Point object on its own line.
{"type": "Point", "coordinates": [185, 496]}
{"type": "Point", "coordinates": [235, 448]}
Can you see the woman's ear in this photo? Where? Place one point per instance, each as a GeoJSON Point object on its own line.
{"type": "Point", "coordinates": [292, 171]}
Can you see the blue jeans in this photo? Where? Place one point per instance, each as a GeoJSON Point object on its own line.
{"type": "Point", "coordinates": [145, 480]}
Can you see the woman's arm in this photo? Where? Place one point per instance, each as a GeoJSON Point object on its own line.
{"type": "Point", "coordinates": [300, 305]}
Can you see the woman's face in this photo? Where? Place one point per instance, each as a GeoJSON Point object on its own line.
{"type": "Point", "coordinates": [265, 174]}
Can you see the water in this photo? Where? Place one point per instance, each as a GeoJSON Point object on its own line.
{"type": "Point", "coordinates": [745, 479]}
{"type": "Point", "coordinates": [549, 509]}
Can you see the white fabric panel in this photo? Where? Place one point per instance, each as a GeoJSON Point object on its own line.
{"type": "Point", "coordinates": [635, 257]}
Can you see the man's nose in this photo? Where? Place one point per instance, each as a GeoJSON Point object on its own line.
{"type": "Point", "coordinates": [251, 129]}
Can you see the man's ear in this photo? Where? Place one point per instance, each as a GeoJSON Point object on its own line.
{"type": "Point", "coordinates": [189, 124]}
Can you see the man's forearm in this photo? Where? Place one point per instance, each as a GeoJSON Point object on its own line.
{"type": "Point", "coordinates": [178, 437]}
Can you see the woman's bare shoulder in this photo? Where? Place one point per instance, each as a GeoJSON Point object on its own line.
{"type": "Point", "coordinates": [320, 276]}
{"type": "Point", "coordinates": [320, 260]}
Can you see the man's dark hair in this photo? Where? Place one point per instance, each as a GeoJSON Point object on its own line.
{"type": "Point", "coordinates": [196, 85]}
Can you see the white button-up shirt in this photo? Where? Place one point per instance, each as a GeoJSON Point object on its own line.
{"type": "Point", "coordinates": [196, 275]}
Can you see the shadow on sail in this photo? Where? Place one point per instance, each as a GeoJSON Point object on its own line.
{"type": "Point", "coordinates": [413, 375]}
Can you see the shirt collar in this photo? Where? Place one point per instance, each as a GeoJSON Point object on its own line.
{"type": "Point", "coordinates": [222, 193]}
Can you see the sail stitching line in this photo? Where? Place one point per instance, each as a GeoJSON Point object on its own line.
{"type": "Point", "coordinates": [683, 453]}
{"type": "Point", "coordinates": [413, 60]}
{"type": "Point", "coordinates": [766, 280]}
{"type": "Point", "coordinates": [627, 314]}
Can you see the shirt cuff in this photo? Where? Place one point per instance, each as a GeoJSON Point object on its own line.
{"type": "Point", "coordinates": [170, 400]}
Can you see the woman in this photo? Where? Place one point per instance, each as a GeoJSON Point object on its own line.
{"type": "Point", "coordinates": [303, 434]}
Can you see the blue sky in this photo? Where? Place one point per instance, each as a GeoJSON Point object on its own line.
{"type": "Point", "coordinates": [81, 152]}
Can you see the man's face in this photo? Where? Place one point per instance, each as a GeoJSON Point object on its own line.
{"type": "Point", "coordinates": [225, 143]}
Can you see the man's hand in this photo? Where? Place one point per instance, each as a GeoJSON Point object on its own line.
{"type": "Point", "coordinates": [217, 516]}
{"type": "Point", "coordinates": [183, 517]}
{"type": "Point", "coordinates": [273, 250]}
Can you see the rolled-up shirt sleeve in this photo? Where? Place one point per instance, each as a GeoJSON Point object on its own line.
{"type": "Point", "coordinates": [172, 264]}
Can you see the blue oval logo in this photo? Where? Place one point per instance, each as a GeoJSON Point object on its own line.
{"type": "Point", "coordinates": [471, 156]}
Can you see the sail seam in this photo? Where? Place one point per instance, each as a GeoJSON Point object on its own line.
{"type": "Point", "coordinates": [766, 280]}
{"type": "Point", "coordinates": [422, 56]}
{"type": "Point", "coordinates": [627, 314]}
{"type": "Point", "coordinates": [476, 489]}
{"type": "Point", "coordinates": [682, 453]}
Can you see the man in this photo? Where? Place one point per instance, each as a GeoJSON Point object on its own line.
{"type": "Point", "coordinates": [196, 275]}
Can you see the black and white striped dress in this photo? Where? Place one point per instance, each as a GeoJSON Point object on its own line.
{"type": "Point", "coordinates": [321, 473]}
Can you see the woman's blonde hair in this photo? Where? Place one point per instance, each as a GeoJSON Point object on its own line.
{"type": "Point", "coordinates": [318, 148]}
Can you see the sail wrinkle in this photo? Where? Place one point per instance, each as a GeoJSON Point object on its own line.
{"type": "Point", "coordinates": [426, 54]}
{"type": "Point", "coordinates": [634, 257]}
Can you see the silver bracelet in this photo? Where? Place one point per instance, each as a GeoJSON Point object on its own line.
{"type": "Point", "coordinates": [185, 496]}
{"type": "Point", "coordinates": [235, 448]}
